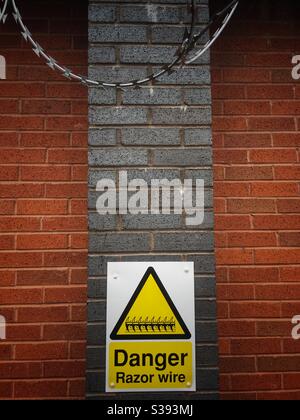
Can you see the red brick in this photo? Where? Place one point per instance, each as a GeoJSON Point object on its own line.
{"type": "Point", "coordinates": [287, 172]}
{"type": "Point", "coordinates": [43, 314]}
{"type": "Point", "coordinates": [45, 139]}
{"type": "Point", "coordinates": [282, 189]}
{"type": "Point", "coordinates": [271, 124]}
{"type": "Point", "coordinates": [289, 239]}
{"type": "Point", "coordinates": [50, 241]}
{"type": "Point", "coordinates": [250, 206]}
{"type": "Point", "coordinates": [22, 156]}
{"type": "Point", "coordinates": [8, 173]}
{"type": "Point", "coordinates": [64, 332]}
{"type": "Point", "coordinates": [253, 275]}
{"type": "Point", "coordinates": [273, 156]}
{"type": "Point", "coordinates": [21, 260]}
{"type": "Point", "coordinates": [45, 173]}
{"type": "Point", "coordinates": [255, 346]}
{"type": "Point", "coordinates": [7, 207]}
{"type": "Point", "coordinates": [234, 256]}
{"type": "Point", "coordinates": [286, 139]}
{"type": "Point", "coordinates": [21, 296]}
{"type": "Point", "coordinates": [64, 224]}
{"type": "Point", "coordinates": [42, 277]}
{"type": "Point", "coordinates": [41, 389]}
{"type": "Point", "coordinates": [229, 328]}
{"type": "Point", "coordinates": [255, 310]}
{"type": "Point", "coordinates": [279, 364]}
{"type": "Point", "coordinates": [290, 274]}
{"type": "Point", "coordinates": [247, 108]}
{"type": "Point", "coordinates": [42, 351]}
{"type": "Point", "coordinates": [278, 292]}
{"type": "Point", "coordinates": [288, 206]}
{"type": "Point", "coordinates": [245, 173]}
{"type": "Point", "coordinates": [45, 107]}
{"type": "Point", "coordinates": [252, 239]}
{"type": "Point", "coordinates": [7, 242]}
{"type": "Point", "coordinates": [230, 156]}
{"type": "Point", "coordinates": [230, 222]}
{"type": "Point", "coordinates": [74, 190]}
{"type": "Point", "coordinates": [256, 382]}
{"type": "Point", "coordinates": [6, 390]}
{"type": "Point", "coordinates": [277, 256]}
{"type": "Point", "coordinates": [237, 364]}
{"type": "Point", "coordinates": [67, 156]}
{"type": "Point", "coordinates": [42, 207]}
{"type": "Point", "coordinates": [17, 370]}
{"type": "Point", "coordinates": [66, 295]}
{"type": "Point", "coordinates": [247, 140]}
{"type": "Point", "coordinates": [68, 369]}
{"type": "Point", "coordinates": [273, 328]}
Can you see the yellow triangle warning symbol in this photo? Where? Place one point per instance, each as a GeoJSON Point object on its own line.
{"type": "Point", "coordinates": [150, 314]}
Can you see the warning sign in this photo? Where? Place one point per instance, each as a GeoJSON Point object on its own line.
{"type": "Point", "coordinates": [150, 327]}
{"type": "Point", "coordinates": [150, 314]}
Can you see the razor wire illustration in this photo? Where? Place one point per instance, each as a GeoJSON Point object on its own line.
{"type": "Point", "coordinates": [186, 54]}
{"type": "Point", "coordinates": [138, 325]}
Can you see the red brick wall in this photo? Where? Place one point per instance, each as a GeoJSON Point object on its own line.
{"type": "Point", "coordinates": [43, 216]}
{"type": "Point", "coordinates": [256, 148]}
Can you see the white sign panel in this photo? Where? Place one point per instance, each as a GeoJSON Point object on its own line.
{"type": "Point", "coordinates": [150, 327]}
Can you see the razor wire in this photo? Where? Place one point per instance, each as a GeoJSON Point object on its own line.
{"type": "Point", "coordinates": [184, 55]}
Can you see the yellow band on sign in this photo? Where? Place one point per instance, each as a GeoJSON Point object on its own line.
{"type": "Point", "coordinates": [146, 365]}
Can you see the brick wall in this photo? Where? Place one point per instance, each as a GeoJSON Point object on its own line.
{"type": "Point", "coordinates": [43, 192]}
{"type": "Point", "coordinates": [256, 152]}
{"type": "Point", "coordinates": [165, 134]}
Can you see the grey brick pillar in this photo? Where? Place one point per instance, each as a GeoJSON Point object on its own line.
{"type": "Point", "coordinates": [164, 132]}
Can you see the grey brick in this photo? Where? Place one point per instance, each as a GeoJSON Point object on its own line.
{"type": "Point", "coordinates": [145, 54]}
{"type": "Point", "coordinates": [182, 116]}
{"type": "Point", "coordinates": [117, 74]}
{"type": "Point", "coordinates": [204, 264]}
{"type": "Point", "coordinates": [183, 157]}
{"type": "Point", "coordinates": [95, 382]}
{"type": "Point", "coordinates": [102, 55]}
{"type": "Point", "coordinates": [205, 174]}
{"type": "Point", "coordinates": [183, 242]}
{"type": "Point", "coordinates": [188, 76]}
{"type": "Point", "coordinates": [98, 96]}
{"type": "Point", "coordinates": [97, 288]}
{"type": "Point", "coordinates": [198, 136]}
{"type": "Point", "coordinates": [206, 332]}
{"type": "Point", "coordinates": [96, 334]}
{"type": "Point", "coordinates": [150, 136]}
{"type": "Point", "coordinates": [207, 356]}
{"type": "Point", "coordinates": [208, 379]}
{"type": "Point", "coordinates": [115, 242]}
{"type": "Point", "coordinates": [96, 175]}
{"type": "Point", "coordinates": [102, 13]}
{"type": "Point", "coordinates": [173, 34]}
{"type": "Point", "coordinates": [117, 34]}
{"type": "Point", "coordinates": [154, 96]}
{"type": "Point", "coordinates": [206, 309]}
{"type": "Point", "coordinates": [197, 96]}
{"type": "Point", "coordinates": [152, 222]}
{"type": "Point", "coordinates": [96, 311]}
{"type": "Point", "coordinates": [100, 223]}
{"type": "Point", "coordinates": [98, 264]}
{"type": "Point", "coordinates": [118, 157]}
{"type": "Point", "coordinates": [151, 258]}
{"type": "Point", "coordinates": [117, 116]}
{"type": "Point", "coordinates": [96, 358]}
{"type": "Point", "coordinates": [150, 14]}
{"type": "Point", "coordinates": [102, 137]}
{"type": "Point", "coordinates": [205, 287]}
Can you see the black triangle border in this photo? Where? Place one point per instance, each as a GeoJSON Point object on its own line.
{"type": "Point", "coordinates": [114, 335]}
